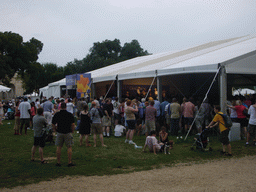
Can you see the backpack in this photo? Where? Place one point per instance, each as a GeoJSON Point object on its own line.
{"type": "Point", "coordinates": [227, 120]}
{"type": "Point", "coordinates": [101, 112]}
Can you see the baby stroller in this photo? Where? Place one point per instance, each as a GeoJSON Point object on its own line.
{"type": "Point", "coordinates": [48, 135]}
{"type": "Point", "coordinates": [201, 141]}
{"type": "Point", "coordinates": [10, 114]}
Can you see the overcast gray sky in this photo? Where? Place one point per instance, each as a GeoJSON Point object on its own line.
{"type": "Point", "coordinates": [68, 28]}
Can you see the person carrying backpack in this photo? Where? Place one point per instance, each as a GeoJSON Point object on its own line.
{"type": "Point", "coordinates": [224, 131]}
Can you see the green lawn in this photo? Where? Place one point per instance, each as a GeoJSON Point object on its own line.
{"type": "Point", "coordinates": [118, 157]}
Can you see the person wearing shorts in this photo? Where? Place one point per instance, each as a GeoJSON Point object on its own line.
{"type": "Point", "coordinates": [96, 124]}
{"type": "Point", "coordinates": [39, 122]}
{"type": "Point", "coordinates": [130, 120]}
{"type": "Point", "coordinates": [24, 109]}
{"type": "Point", "coordinates": [251, 132]}
{"type": "Point", "coordinates": [224, 131]}
{"type": "Point", "coordinates": [63, 123]}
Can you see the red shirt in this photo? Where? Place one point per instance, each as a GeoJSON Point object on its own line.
{"type": "Point", "coordinates": [239, 111]}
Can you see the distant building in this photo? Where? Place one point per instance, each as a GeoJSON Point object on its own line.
{"type": "Point", "coordinates": [17, 89]}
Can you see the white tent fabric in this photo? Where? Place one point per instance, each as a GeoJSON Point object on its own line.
{"type": "Point", "coordinates": [44, 91]}
{"type": "Point", "coordinates": [202, 58]}
{"type": "Point", "coordinates": [54, 89]}
{"type": "Point", "coordinates": [4, 89]}
{"type": "Point", "coordinates": [238, 55]}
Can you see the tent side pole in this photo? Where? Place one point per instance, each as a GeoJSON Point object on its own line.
{"type": "Point", "coordinates": [119, 89]}
{"type": "Point", "coordinates": [159, 88]}
{"type": "Point", "coordinates": [223, 89]}
{"type": "Point", "coordinates": [93, 90]}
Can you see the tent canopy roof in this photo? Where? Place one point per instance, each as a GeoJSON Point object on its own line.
{"type": "Point", "coordinates": [202, 58]}
{"type": "Point", "coordinates": [4, 89]}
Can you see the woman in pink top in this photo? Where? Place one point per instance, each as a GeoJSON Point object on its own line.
{"type": "Point", "coordinates": [32, 113]}
{"type": "Point", "coordinates": [241, 118]}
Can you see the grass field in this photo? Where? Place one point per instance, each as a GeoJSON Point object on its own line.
{"type": "Point", "coordinates": [118, 157]}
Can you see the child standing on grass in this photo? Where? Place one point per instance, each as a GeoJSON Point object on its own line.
{"type": "Point", "coordinates": [39, 122]}
{"type": "Point", "coordinates": [224, 131]}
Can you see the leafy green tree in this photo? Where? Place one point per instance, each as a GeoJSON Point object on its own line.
{"type": "Point", "coordinates": [34, 78]}
{"type": "Point", "coordinates": [110, 52]}
{"type": "Point", "coordinates": [131, 50]}
{"type": "Point", "coordinates": [16, 55]}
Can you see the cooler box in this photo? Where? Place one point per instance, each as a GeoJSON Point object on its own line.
{"type": "Point", "coordinates": [234, 133]}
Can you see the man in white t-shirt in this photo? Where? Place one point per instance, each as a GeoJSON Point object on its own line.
{"type": "Point", "coordinates": [24, 109]}
{"type": "Point", "coordinates": [251, 130]}
{"type": "Point", "coordinates": [117, 116]}
{"type": "Point", "coordinates": [70, 107]}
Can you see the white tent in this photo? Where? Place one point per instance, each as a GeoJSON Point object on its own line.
{"type": "Point", "coordinates": [4, 89]}
{"type": "Point", "coordinates": [53, 89]}
{"type": "Point", "coordinates": [230, 56]}
{"type": "Point", "coordinates": [237, 54]}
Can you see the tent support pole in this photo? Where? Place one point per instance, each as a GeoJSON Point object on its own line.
{"type": "Point", "coordinates": [109, 90]}
{"type": "Point", "coordinates": [223, 89]}
{"type": "Point", "coordinates": [119, 88]}
{"type": "Point", "coordinates": [159, 88]}
{"type": "Point", "coordinates": [206, 95]}
{"type": "Point", "coordinates": [93, 90]}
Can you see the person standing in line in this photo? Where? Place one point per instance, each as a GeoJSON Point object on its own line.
{"type": "Point", "coordinates": [150, 118]}
{"type": "Point", "coordinates": [224, 131]}
{"type": "Point", "coordinates": [189, 109]}
{"type": "Point", "coordinates": [241, 118]}
{"type": "Point", "coordinates": [162, 109]}
{"type": "Point", "coordinates": [48, 108]}
{"type": "Point", "coordinates": [39, 122]}
{"type": "Point", "coordinates": [70, 106]}
{"type": "Point", "coordinates": [24, 109]}
{"type": "Point", "coordinates": [17, 119]}
{"type": "Point", "coordinates": [37, 103]}
{"type": "Point", "coordinates": [175, 116]}
{"type": "Point", "coordinates": [85, 126]}
{"type": "Point", "coordinates": [96, 124]}
{"type": "Point", "coordinates": [130, 120]}
{"type": "Point", "coordinates": [32, 112]}
{"type": "Point", "coordinates": [251, 132]}
{"type": "Point", "coordinates": [199, 115]}
{"type": "Point", "coordinates": [158, 115]}
{"type": "Point", "coordinates": [106, 120]}
{"type": "Point", "coordinates": [232, 112]}
{"type": "Point", "coordinates": [63, 123]}
{"type": "Point", "coordinates": [1, 112]}
{"type": "Point", "coordinates": [116, 106]}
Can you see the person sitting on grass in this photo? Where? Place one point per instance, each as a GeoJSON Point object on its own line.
{"type": "Point", "coordinates": [224, 131]}
{"type": "Point", "coordinates": [39, 122]}
{"type": "Point", "coordinates": [119, 129]}
{"type": "Point", "coordinates": [152, 143]}
{"type": "Point", "coordinates": [163, 137]}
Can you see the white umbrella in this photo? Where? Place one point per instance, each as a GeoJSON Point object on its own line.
{"type": "Point", "coordinates": [4, 89]}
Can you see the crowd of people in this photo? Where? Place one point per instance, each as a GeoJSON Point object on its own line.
{"type": "Point", "coordinates": [116, 117]}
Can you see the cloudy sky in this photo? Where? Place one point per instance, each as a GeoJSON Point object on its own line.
{"type": "Point", "coordinates": [68, 28]}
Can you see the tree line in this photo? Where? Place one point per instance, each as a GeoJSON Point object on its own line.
{"type": "Point", "coordinates": [21, 57]}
